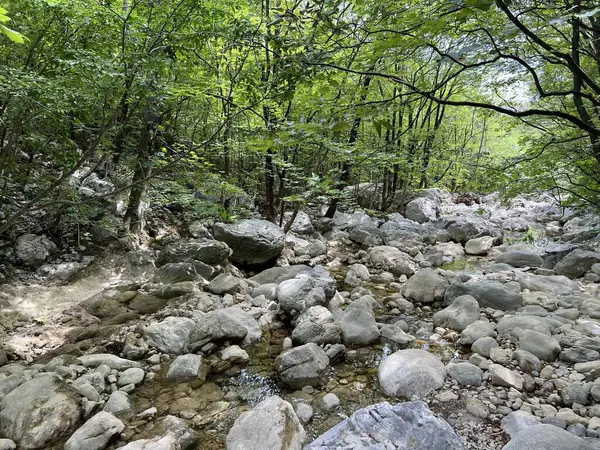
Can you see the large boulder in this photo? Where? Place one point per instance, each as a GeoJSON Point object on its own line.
{"type": "Point", "coordinates": [404, 232]}
{"type": "Point", "coordinates": [33, 250]}
{"type": "Point", "coordinates": [39, 412]}
{"type": "Point", "coordinates": [520, 258]}
{"type": "Point", "coordinates": [358, 323]}
{"type": "Point", "coordinates": [426, 286]}
{"type": "Point", "coordinates": [577, 263]}
{"type": "Point", "coordinates": [270, 425]}
{"type": "Point", "coordinates": [96, 433]}
{"type": "Point", "coordinates": [550, 284]}
{"type": "Point", "coordinates": [316, 325]}
{"type": "Point", "coordinates": [252, 241]}
{"type": "Point", "coordinates": [463, 311]}
{"type": "Point", "coordinates": [411, 374]}
{"type": "Point", "coordinates": [488, 293]}
{"type": "Point", "coordinates": [422, 210]}
{"type": "Point", "coordinates": [208, 252]}
{"type": "Point", "coordinates": [279, 274]}
{"type": "Point", "coordinates": [479, 246]}
{"type": "Point", "coordinates": [545, 437]}
{"type": "Point", "coordinates": [187, 368]}
{"type": "Point", "coordinates": [229, 324]}
{"type": "Point", "coordinates": [300, 293]}
{"type": "Point", "coordinates": [463, 229]}
{"type": "Point", "coordinates": [301, 366]}
{"type": "Point", "coordinates": [409, 425]}
{"type": "Point", "coordinates": [539, 344]}
{"type": "Point", "coordinates": [386, 257]}
{"type": "Point", "coordinates": [170, 335]}
{"type": "Point", "coordinates": [176, 272]}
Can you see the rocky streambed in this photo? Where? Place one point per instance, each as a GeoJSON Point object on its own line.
{"type": "Point", "coordinates": [454, 327]}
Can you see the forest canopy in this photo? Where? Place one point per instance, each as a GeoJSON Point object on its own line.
{"type": "Point", "coordinates": [288, 103]}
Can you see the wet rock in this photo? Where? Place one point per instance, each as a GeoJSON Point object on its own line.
{"type": "Point", "coordinates": [33, 250]}
{"type": "Point", "coordinates": [170, 335]}
{"type": "Point", "coordinates": [577, 263]}
{"type": "Point", "coordinates": [541, 345]}
{"type": "Point", "coordinates": [299, 294]}
{"type": "Point", "coordinates": [411, 374]}
{"type": "Point", "coordinates": [234, 354]}
{"type": "Point", "coordinates": [358, 324]}
{"type": "Point", "coordinates": [395, 334]}
{"type": "Point", "coordinates": [302, 366]}
{"type": "Point", "coordinates": [520, 258]}
{"type": "Point", "coordinates": [544, 437]}
{"type": "Point", "coordinates": [272, 424]}
{"type": "Point", "coordinates": [96, 433]}
{"type": "Point", "coordinates": [463, 311]}
{"type": "Point", "coordinates": [316, 325]}
{"type": "Point", "coordinates": [479, 246]}
{"type": "Point", "coordinates": [208, 252]}
{"type": "Point", "coordinates": [39, 411]}
{"type": "Point", "coordinates": [488, 293]}
{"type": "Point", "coordinates": [402, 426]}
{"type": "Point", "coordinates": [186, 368]}
{"type": "Point", "coordinates": [229, 324]}
{"type": "Point", "coordinates": [252, 241]}
{"type": "Point", "coordinates": [426, 286]}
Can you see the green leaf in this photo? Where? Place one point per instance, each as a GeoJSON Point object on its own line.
{"type": "Point", "coordinates": [377, 126]}
{"type": "Point", "coordinates": [12, 35]}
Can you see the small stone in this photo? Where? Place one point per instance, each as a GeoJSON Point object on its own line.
{"type": "Point", "coordinates": [330, 401]}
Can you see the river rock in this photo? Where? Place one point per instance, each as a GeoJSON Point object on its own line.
{"type": "Point", "coordinates": [175, 273]}
{"type": "Point", "coordinates": [483, 346]}
{"type": "Point", "coordinates": [409, 425]}
{"type": "Point", "coordinates": [550, 284]}
{"type": "Point", "coordinates": [169, 336]}
{"type": "Point", "coordinates": [501, 376]}
{"type": "Point", "coordinates": [270, 425]}
{"type": "Point", "coordinates": [509, 324]}
{"type": "Point", "coordinates": [462, 229]}
{"type": "Point", "coordinates": [422, 210]}
{"type": "Point", "coordinates": [299, 294]}
{"type": "Point", "coordinates": [112, 361]}
{"type": "Point", "coordinates": [226, 283]}
{"type": "Point", "coordinates": [545, 437]}
{"type": "Point", "coordinates": [358, 324]}
{"type": "Point", "coordinates": [131, 376]}
{"type": "Point", "coordinates": [316, 325]}
{"type": "Point", "coordinates": [477, 330]}
{"type": "Point", "coordinates": [465, 373]}
{"type": "Point", "coordinates": [577, 263]}
{"type": "Point", "coordinates": [411, 373]}
{"type": "Point", "coordinates": [117, 403]}
{"type": "Point", "coordinates": [33, 250]}
{"type": "Point", "coordinates": [301, 366]}
{"type": "Point", "coordinates": [278, 274]}
{"type": "Point", "coordinates": [96, 433]}
{"type": "Point", "coordinates": [463, 311]}
{"type": "Point", "coordinates": [541, 345]}
{"type": "Point", "coordinates": [395, 334]}
{"type": "Point", "coordinates": [39, 411]}
{"type": "Point", "coordinates": [252, 241]}
{"type": "Point", "coordinates": [356, 275]}
{"type": "Point", "coordinates": [228, 324]}
{"type": "Point", "coordinates": [426, 286]}
{"type": "Point", "coordinates": [520, 258]}
{"type": "Point", "coordinates": [209, 252]}
{"type": "Point", "coordinates": [488, 293]}
{"type": "Point", "coordinates": [187, 368]}
{"type": "Point", "coordinates": [479, 246]}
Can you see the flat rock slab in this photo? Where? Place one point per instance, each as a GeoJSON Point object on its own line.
{"type": "Point", "coordinates": [409, 425]}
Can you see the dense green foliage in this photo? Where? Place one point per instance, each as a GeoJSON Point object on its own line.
{"type": "Point", "coordinates": [288, 102]}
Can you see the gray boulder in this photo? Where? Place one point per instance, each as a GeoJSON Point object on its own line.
{"type": "Point", "coordinates": [484, 345]}
{"type": "Point", "coordinates": [577, 263]}
{"type": "Point", "coordinates": [176, 272]}
{"type": "Point", "coordinates": [411, 374]}
{"type": "Point", "coordinates": [300, 293]}
{"type": "Point", "coordinates": [463, 311]}
{"type": "Point", "coordinates": [170, 335]}
{"type": "Point", "coordinates": [186, 368]}
{"type": "Point", "coordinates": [279, 274]}
{"type": "Point", "coordinates": [208, 252]}
{"type": "Point", "coordinates": [488, 293]}
{"type": "Point", "coordinates": [252, 241]}
{"type": "Point", "coordinates": [422, 210]}
{"type": "Point", "coordinates": [33, 250]}
{"type": "Point", "coordinates": [228, 324]}
{"type": "Point", "coordinates": [112, 361]}
{"type": "Point", "coordinates": [302, 223]}
{"type": "Point", "coordinates": [270, 425]}
{"type": "Point", "coordinates": [301, 366]}
{"type": "Point", "coordinates": [510, 323]}
{"type": "Point", "coordinates": [479, 246]}
{"type": "Point", "coordinates": [117, 403]}
{"type": "Point", "coordinates": [544, 437]}
{"type": "Point", "coordinates": [39, 412]}
{"type": "Point", "coordinates": [316, 325]}
{"type": "Point", "coordinates": [96, 433]}
{"type": "Point", "coordinates": [541, 345]}
{"type": "Point", "coordinates": [520, 258]}
{"type": "Point", "coordinates": [476, 331]}
{"type": "Point", "coordinates": [409, 425]}
{"type": "Point", "coordinates": [550, 284]}
{"type": "Point", "coordinates": [225, 283]}
{"type": "Point", "coordinates": [356, 275]}
{"type": "Point", "coordinates": [426, 286]}
{"type": "Point", "coordinates": [396, 335]}
{"type": "Point", "coordinates": [358, 324]}
{"type": "Point", "coordinates": [465, 373]}
{"type": "Point", "coordinates": [463, 229]}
